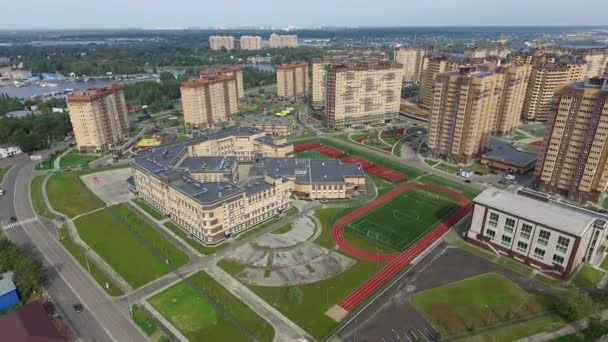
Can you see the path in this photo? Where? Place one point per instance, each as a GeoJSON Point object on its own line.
{"type": "Point", "coordinates": [57, 161]}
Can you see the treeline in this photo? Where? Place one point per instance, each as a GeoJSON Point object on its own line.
{"type": "Point", "coordinates": [29, 274]}
{"type": "Point", "coordinates": [9, 104]}
{"type": "Point", "coordinates": [255, 78]}
{"type": "Point", "coordinates": [157, 96]}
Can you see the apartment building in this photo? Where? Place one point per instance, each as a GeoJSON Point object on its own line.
{"type": "Point", "coordinates": [597, 61]}
{"type": "Point", "coordinates": [337, 57]}
{"type": "Point", "coordinates": [208, 102]}
{"type": "Point", "coordinates": [362, 93]}
{"type": "Point", "coordinates": [99, 118]}
{"type": "Point", "coordinates": [433, 66]}
{"type": "Point", "coordinates": [516, 78]}
{"type": "Point", "coordinates": [230, 70]}
{"type": "Point", "coordinates": [463, 113]}
{"type": "Point", "coordinates": [545, 79]}
{"type": "Point", "coordinates": [528, 227]}
{"type": "Point", "coordinates": [272, 125]}
{"type": "Point", "coordinates": [412, 60]}
{"type": "Point", "coordinates": [499, 51]}
{"type": "Point", "coordinates": [292, 79]}
{"type": "Point", "coordinates": [221, 42]}
{"type": "Point", "coordinates": [283, 40]}
{"type": "Point", "coordinates": [251, 42]}
{"type": "Point", "coordinates": [572, 160]}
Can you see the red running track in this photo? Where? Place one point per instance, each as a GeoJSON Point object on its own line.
{"type": "Point", "coordinates": [396, 261]}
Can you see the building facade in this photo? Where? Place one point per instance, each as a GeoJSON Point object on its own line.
{"type": "Point", "coordinates": [433, 66]}
{"type": "Point", "coordinates": [574, 153]}
{"type": "Point", "coordinates": [412, 60]}
{"type": "Point", "coordinates": [207, 102]}
{"type": "Point", "coordinates": [596, 59]}
{"type": "Point", "coordinates": [513, 95]}
{"type": "Point", "coordinates": [499, 51]}
{"type": "Point", "coordinates": [272, 125]}
{"type": "Point", "coordinates": [463, 113]}
{"type": "Point", "coordinates": [283, 40]}
{"type": "Point", "coordinates": [552, 236]}
{"type": "Point", "coordinates": [99, 118]}
{"type": "Point", "coordinates": [362, 93]}
{"type": "Point", "coordinates": [251, 42]}
{"type": "Point", "coordinates": [7, 151]}
{"type": "Point", "coordinates": [221, 42]}
{"type": "Point", "coordinates": [231, 70]}
{"type": "Point", "coordinates": [292, 79]}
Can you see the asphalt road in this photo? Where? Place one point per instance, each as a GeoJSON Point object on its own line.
{"type": "Point", "coordinates": [68, 283]}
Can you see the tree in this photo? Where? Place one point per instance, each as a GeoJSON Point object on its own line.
{"type": "Point", "coordinates": [575, 305]}
{"type": "Point", "coordinates": [29, 272]}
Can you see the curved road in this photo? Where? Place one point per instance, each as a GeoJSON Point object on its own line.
{"type": "Point", "coordinates": [102, 319]}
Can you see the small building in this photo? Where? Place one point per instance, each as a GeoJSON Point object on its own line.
{"type": "Point", "coordinates": [530, 227]}
{"type": "Point", "coordinates": [18, 114]}
{"type": "Point", "coordinates": [7, 151]}
{"type": "Point", "coordinates": [30, 323]}
{"type": "Point", "coordinates": [272, 125]}
{"type": "Point", "coordinates": [8, 292]}
{"type": "Point", "coordinates": [502, 155]}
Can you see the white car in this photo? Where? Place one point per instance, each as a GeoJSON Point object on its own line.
{"type": "Point", "coordinates": [510, 177]}
{"type": "Point", "coordinates": [1, 192]}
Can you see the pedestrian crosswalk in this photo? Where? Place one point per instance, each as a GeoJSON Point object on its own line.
{"type": "Point", "coordinates": [19, 223]}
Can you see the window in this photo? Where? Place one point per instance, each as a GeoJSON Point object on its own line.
{"type": "Point", "coordinates": [558, 259]}
{"type": "Point", "coordinates": [506, 240]}
{"type": "Point", "coordinates": [509, 225]}
{"type": "Point", "coordinates": [526, 231]}
{"type": "Point", "coordinates": [491, 234]}
{"type": "Point", "coordinates": [562, 244]}
{"type": "Point", "coordinates": [543, 237]}
{"type": "Point", "coordinates": [539, 253]}
{"type": "Point", "coordinates": [522, 246]}
{"type": "Point", "coordinates": [493, 220]}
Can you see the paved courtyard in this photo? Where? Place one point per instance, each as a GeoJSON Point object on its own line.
{"type": "Point", "coordinates": [110, 186]}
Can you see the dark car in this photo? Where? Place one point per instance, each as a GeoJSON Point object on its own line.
{"type": "Point", "coordinates": [78, 308]}
{"type": "Point", "coordinates": [13, 219]}
{"type": "Point", "coordinates": [467, 181]}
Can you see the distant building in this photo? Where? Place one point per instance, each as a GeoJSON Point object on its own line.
{"type": "Point", "coordinates": [219, 42]}
{"type": "Point", "coordinates": [433, 66]}
{"type": "Point", "coordinates": [251, 42]}
{"type": "Point", "coordinates": [99, 118]}
{"type": "Point", "coordinates": [281, 41]}
{"type": "Point", "coordinates": [292, 79]}
{"type": "Point", "coordinates": [208, 102]}
{"type": "Point", "coordinates": [8, 292]}
{"type": "Point", "coordinates": [502, 155]}
{"type": "Point", "coordinates": [499, 51]}
{"type": "Point", "coordinates": [272, 125]}
{"type": "Point", "coordinates": [259, 59]}
{"type": "Point", "coordinates": [231, 70]}
{"type": "Point", "coordinates": [9, 151]}
{"type": "Point", "coordinates": [597, 61]}
{"type": "Point", "coordinates": [412, 60]}
{"type": "Point", "coordinates": [19, 113]}
{"type": "Point", "coordinates": [572, 160]}
{"type": "Point", "coordinates": [552, 236]}
{"type": "Point", "coordinates": [14, 73]}
{"type": "Point", "coordinates": [30, 323]}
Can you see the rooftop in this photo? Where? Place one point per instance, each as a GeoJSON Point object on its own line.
{"type": "Point", "coordinates": [502, 150]}
{"type": "Point", "coordinates": [208, 164]}
{"type": "Point", "coordinates": [6, 283]}
{"type": "Point", "coordinates": [268, 120]}
{"type": "Point", "coordinates": [293, 65]}
{"type": "Point", "coordinates": [93, 93]}
{"type": "Point", "coordinates": [305, 170]}
{"type": "Point", "coordinates": [557, 215]}
{"type": "Point", "coordinates": [202, 192]}
{"type": "Point", "coordinates": [220, 70]}
{"type": "Point", "coordinates": [31, 323]}
{"type": "Point", "coordinates": [205, 80]}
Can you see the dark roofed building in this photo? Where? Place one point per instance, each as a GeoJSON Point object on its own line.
{"type": "Point", "coordinates": [29, 324]}
{"type": "Point", "coordinates": [502, 155]}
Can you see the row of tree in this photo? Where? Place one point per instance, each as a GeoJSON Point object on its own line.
{"type": "Point", "coordinates": [29, 273]}
{"type": "Point", "coordinates": [9, 104]}
{"type": "Point", "coordinates": [255, 78]}
{"type": "Point", "coordinates": [157, 96]}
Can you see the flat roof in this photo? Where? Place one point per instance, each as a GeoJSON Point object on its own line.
{"type": "Point", "coordinates": [502, 150]}
{"type": "Point", "coordinates": [6, 283]}
{"type": "Point", "coordinates": [268, 120]}
{"type": "Point", "coordinates": [306, 170]}
{"type": "Point", "coordinates": [209, 164]}
{"type": "Point", "coordinates": [93, 93]}
{"type": "Point", "coordinates": [556, 215]}
{"type": "Point", "coordinates": [205, 192]}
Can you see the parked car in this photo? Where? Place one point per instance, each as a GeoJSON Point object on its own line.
{"type": "Point", "coordinates": [1, 192]}
{"type": "Point", "coordinates": [78, 307]}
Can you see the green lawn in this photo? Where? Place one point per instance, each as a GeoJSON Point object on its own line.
{"type": "Point", "coordinates": [536, 130]}
{"type": "Point", "coordinates": [283, 230]}
{"type": "Point", "coordinates": [192, 241]}
{"type": "Point", "coordinates": [3, 172]}
{"type": "Point", "coordinates": [519, 136]}
{"type": "Point", "coordinates": [520, 330]}
{"type": "Point", "coordinates": [464, 189]}
{"type": "Point", "coordinates": [449, 168]}
{"type": "Point", "coordinates": [327, 217]}
{"type": "Point", "coordinates": [431, 162]}
{"type": "Point", "coordinates": [475, 303]}
{"type": "Point", "coordinates": [130, 245]}
{"type": "Point", "coordinates": [203, 310]}
{"type": "Point", "coordinates": [605, 203]}
{"type": "Point", "coordinates": [147, 208]}
{"type": "Point", "coordinates": [37, 201]}
{"type": "Point", "coordinates": [587, 277]}
{"type": "Point", "coordinates": [477, 167]}
{"type": "Point", "coordinates": [74, 158]}
{"type": "Point", "coordinates": [604, 264]}
{"type": "Point", "coordinates": [400, 222]}
{"type": "Point", "coordinates": [143, 320]}
{"type": "Point", "coordinates": [89, 265]}
{"type": "Point", "coordinates": [311, 154]}
{"type": "Point", "coordinates": [47, 164]}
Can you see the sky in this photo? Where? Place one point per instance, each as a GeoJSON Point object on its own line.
{"type": "Point", "coordinates": [61, 14]}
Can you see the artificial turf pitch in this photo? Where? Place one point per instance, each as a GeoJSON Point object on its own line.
{"type": "Point", "coordinates": [400, 222]}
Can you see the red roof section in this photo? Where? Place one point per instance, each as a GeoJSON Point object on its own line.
{"type": "Point", "coordinates": [94, 93]}
{"type": "Point", "coordinates": [29, 324]}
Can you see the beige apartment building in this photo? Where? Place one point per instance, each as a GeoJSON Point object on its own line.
{"type": "Point", "coordinates": [99, 118]}
{"type": "Point", "coordinates": [574, 154]}
{"type": "Point", "coordinates": [231, 70]}
{"type": "Point", "coordinates": [219, 42]}
{"type": "Point", "coordinates": [433, 66]}
{"type": "Point", "coordinates": [545, 79]}
{"type": "Point", "coordinates": [208, 102]}
{"type": "Point", "coordinates": [412, 60]}
{"type": "Point", "coordinates": [362, 93]}
{"type": "Point", "coordinates": [597, 61]}
{"type": "Point", "coordinates": [251, 42]}
{"type": "Point", "coordinates": [551, 236]}
{"type": "Point", "coordinates": [499, 51]}
{"type": "Point", "coordinates": [337, 57]}
{"type": "Point", "coordinates": [292, 79]}
{"type": "Point", "coordinates": [283, 40]}
{"type": "Point", "coordinates": [463, 113]}
{"type": "Point", "coordinates": [516, 78]}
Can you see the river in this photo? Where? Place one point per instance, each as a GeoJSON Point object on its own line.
{"type": "Point", "coordinates": [30, 90]}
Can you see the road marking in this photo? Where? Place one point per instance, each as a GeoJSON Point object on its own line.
{"type": "Point", "coordinates": [19, 223]}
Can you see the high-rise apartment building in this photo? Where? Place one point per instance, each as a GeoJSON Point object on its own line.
{"type": "Point", "coordinates": [499, 51]}
{"type": "Point", "coordinates": [597, 61]}
{"type": "Point", "coordinates": [219, 42]}
{"type": "Point", "coordinates": [512, 99]}
{"type": "Point", "coordinates": [545, 79]}
{"type": "Point", "coordinates": [434, 65]}
{"type": "Point", "coordinates": [362, 93]}
{"type": "Point", "coordinates": [251, 42]}
{"type": "Point", "coordinates": [573, 157]}
{"type": "Point", "coordinates": [231, 70]}
{"type": "Point", "coordinates": [99, 118]}
{"type": "Point", "coordinates": [207, 102]}
{"type": "Point", "coordinates": [283, 40]}
{"type": "Point", "coordinates": [412, 60]}
{"type": "Point", "coordinates": [292, 79]}
{"type": "Point", "coordinates": [463, 113]}
{"type": "Point", "coordinates": [337, 57]}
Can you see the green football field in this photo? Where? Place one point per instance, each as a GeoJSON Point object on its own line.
{"type": "Point", "coordinates": [400, 222]}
